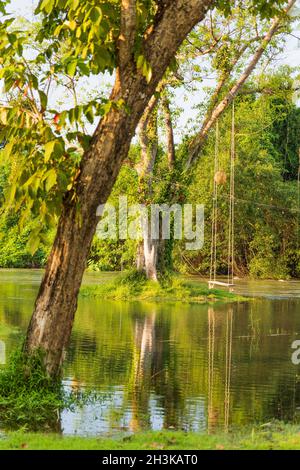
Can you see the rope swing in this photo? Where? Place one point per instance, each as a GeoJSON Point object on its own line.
{"type": "Point", "coordinates": [220, 179]}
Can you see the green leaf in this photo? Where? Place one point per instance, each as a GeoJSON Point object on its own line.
{"type": "Point", "coordinates": [49, 148]}
{"type": "Point", "coordinates": [43, 99]}
{"type": "Point", "coordinates": [34, 81]}
{"type": "Point", "coordinates": [146, 69]}
{"type": "Point", "coordinates": [96, 15]}
{"type": "Point", "coordinates": [46, 5]}
{"type": "Point", "coordinates": [51, 178]}
{"type": "Point", "coordinates": [102, 57]}
{"type": "Point", "coordinates": [6, 152]}
{"type": "Point", "coordinates": [78, 113]}
{"type": "Point", "coordinates": [33, 243]}
{"type": "Point", "coordinates": [84, 68]}
{"type": "Point", "coordinates": [89, 114]}
{"type": "Point", "coordinates": [10, 194]}
{"type": "Point", "coordinates": [55, 148]}
{"type": "Point", "coordinates": [71, 68]}
{"type": "Point", "coordinates": [140, 61]}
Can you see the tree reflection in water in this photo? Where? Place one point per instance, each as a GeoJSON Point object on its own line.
{"type": "Point", "coordinates": [140, 382]}
{"type": "Point", "coordinates": [213, 409]}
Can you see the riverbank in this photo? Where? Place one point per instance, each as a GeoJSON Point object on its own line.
{"type": "Point", "coordinates": [134, 286]}
{"type": "Point", "coordinates": [269, 437]}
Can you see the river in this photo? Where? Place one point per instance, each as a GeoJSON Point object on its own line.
{"type": "Point", "coordinates": [177, 366]}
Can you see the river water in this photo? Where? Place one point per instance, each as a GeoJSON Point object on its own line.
{"type": "Point", "coordinates": [176, 366]}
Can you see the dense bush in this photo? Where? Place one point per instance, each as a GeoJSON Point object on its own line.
{"type": "Point", "coordinates": [14, 252]}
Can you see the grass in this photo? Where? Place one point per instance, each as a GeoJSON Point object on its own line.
{"type": "Point", "coordinates": [275, 436]}
{"type": "Point", "coordinates": [27, 395]}
{"type": "Point", "coordinates": [133, 285]}
{"type": "Point", "coordinates": [29, 398]}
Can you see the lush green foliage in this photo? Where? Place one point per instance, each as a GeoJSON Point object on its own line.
{"type": "Point", "coordinates": [133, 285]}
{"type": "Point", "coordinates": [74, 40]}
{"type": "Point", "coordinates": [14, 244]}
{"type": "Point", "coordinates": [15, 230]}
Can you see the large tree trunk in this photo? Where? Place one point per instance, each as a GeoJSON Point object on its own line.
{"type": "Point", "coordinates": [154, 257]}
{"type": "Point", "coordinates": [147, 250]}
{"type": "Point", "coordinates": [51, 324]}
{"type": "Point", "coordinates": [140, 258]}
{"type": "Point", "coordinates": [150, 254]}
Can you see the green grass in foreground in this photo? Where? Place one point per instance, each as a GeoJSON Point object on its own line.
{"type": "Point", "coordinates": [279, 437]}
{"type": "Point", "coordinates": [134, 286]}
{"type": "Point", "coordinates": [29, 397]}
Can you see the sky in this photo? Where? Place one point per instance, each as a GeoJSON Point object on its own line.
{"type": "Point", "coordinates": [290, 56]}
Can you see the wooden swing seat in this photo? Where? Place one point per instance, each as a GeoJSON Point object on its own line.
{"type": "Point", "coordinates": [211, 284]}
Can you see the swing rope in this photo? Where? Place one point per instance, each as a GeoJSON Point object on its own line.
{"type": "Point", "coordinates": [231, 203]}
{"type": "Point", "coordinates": [214, 225]}
{"type": "Point", "coordinates": [214, 230]}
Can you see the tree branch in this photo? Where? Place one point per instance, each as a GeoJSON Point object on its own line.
{"type": "Point", "coordinates": [149, 147]}
{"type": "Point", "coordinates": [170, 134]}
{"type": "Point", "coordinates": [150, 107]}
{"type": "Point", "coordinates": [127, 32]}
{"type": "Point", "coordinates": [223, 80]}
{"type": "Point", "coordinates": [267, 91]}
{"type": "Point", "coordinates": [199, 141]}
{"type": "Point", "coordinates": [171, 28]}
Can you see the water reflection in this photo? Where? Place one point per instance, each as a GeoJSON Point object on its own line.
{"type": "Point", "coordinates": [170, 366]}
{"type": "Point", "coordinates": [143, 361]}
{"type": "Point", "coordinates": [214, 413]}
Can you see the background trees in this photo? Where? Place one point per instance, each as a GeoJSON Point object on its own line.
{"type": "Point", "coordinates": [267, 236]}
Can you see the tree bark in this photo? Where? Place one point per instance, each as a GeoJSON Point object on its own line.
{"type": "Point", "coordinates": [52, 320]}
{"type": "Point", "coordinates": [140, 258]}
{"type": "Point", "coordinates": [149, 148]}
{"type": "Point", "coordinates": [170, 133]}
{"type": "Point", "coordinates": [150, 254]}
